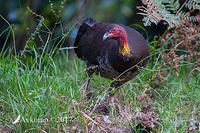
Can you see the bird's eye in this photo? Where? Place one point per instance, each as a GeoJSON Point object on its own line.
{"type": "Point", "coordinates": [114, 30]}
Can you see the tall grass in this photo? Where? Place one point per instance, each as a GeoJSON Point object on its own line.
{"type": "Point", "coordinates": [46, 94]}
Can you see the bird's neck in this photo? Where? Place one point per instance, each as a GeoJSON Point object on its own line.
{"type": "Point", "coordinates": [123, 45]}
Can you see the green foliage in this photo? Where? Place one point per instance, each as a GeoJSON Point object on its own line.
{"type": "Point", "coordinates": [193, 4]}
{"type": "Point", "coordinates": [170, 11]}
{"type": "Point", "coordinates": [47, 95]}
{"type": "Point", "coordinates": [42, 90]}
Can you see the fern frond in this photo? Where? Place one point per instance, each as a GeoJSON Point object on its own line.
{"type": "Point", "coordinates": [169, 11]}
{"type": "Point", "coordinates": [193, 4]}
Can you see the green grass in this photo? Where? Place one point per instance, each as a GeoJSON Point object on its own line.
{"type": "Point", "coordinates": [44, 92]}
{"type": "Point", "coordinates": [34, 93]}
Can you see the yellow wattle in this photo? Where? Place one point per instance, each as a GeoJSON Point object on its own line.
{"type": "Point", "coordinates": [125, 50]}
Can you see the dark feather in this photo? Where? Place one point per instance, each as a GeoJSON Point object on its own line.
{"type": "Point", "coordinates": [92, 49]}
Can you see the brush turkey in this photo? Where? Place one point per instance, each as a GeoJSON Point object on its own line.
{"type": "Point", "coordinates": [115, 51]}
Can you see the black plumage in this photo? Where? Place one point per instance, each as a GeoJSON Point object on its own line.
{"type": "Point", "coordinates": [104, 56]}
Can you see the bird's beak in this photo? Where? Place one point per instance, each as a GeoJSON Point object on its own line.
{"type": "Point", "coordinates": [106, 36]}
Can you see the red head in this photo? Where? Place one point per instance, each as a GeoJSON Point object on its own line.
{"type": "Point", "coordinates": [118, 32]}
{"type": "Point", "coordinates": [115, 32]}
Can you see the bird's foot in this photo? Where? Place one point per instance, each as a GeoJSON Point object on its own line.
{"type": "Point", "coordinates": [106, 106]}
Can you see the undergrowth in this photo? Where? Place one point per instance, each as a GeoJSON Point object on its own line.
{"type": "Point", "coordinates": [42, 90]}
{"type": "Point", "coordinates": [50, 99]}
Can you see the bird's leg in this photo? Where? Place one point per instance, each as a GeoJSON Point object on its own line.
{"type": "Point", "coordinates": [114, 87]}
{"type": "Point", "coordinates": [110, 96]}
{"type": "Point", "coordinates": [87, 84]}
{"type": "Point", "coordinates": [112, 90]}
{"type": "Point", "coordinates": [112, 99]}
{"type": "Point", "coordinates": [89, 71]}
{"type": "Point", "coordinates": [85, 91]}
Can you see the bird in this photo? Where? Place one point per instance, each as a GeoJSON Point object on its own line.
{"type": "Point", "coordinates": [115, 51]}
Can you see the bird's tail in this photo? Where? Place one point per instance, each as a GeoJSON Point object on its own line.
{"type": "Point", "coordinates": [90, 22]}
{"type": "Point", "coordinates": [87, 24]}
